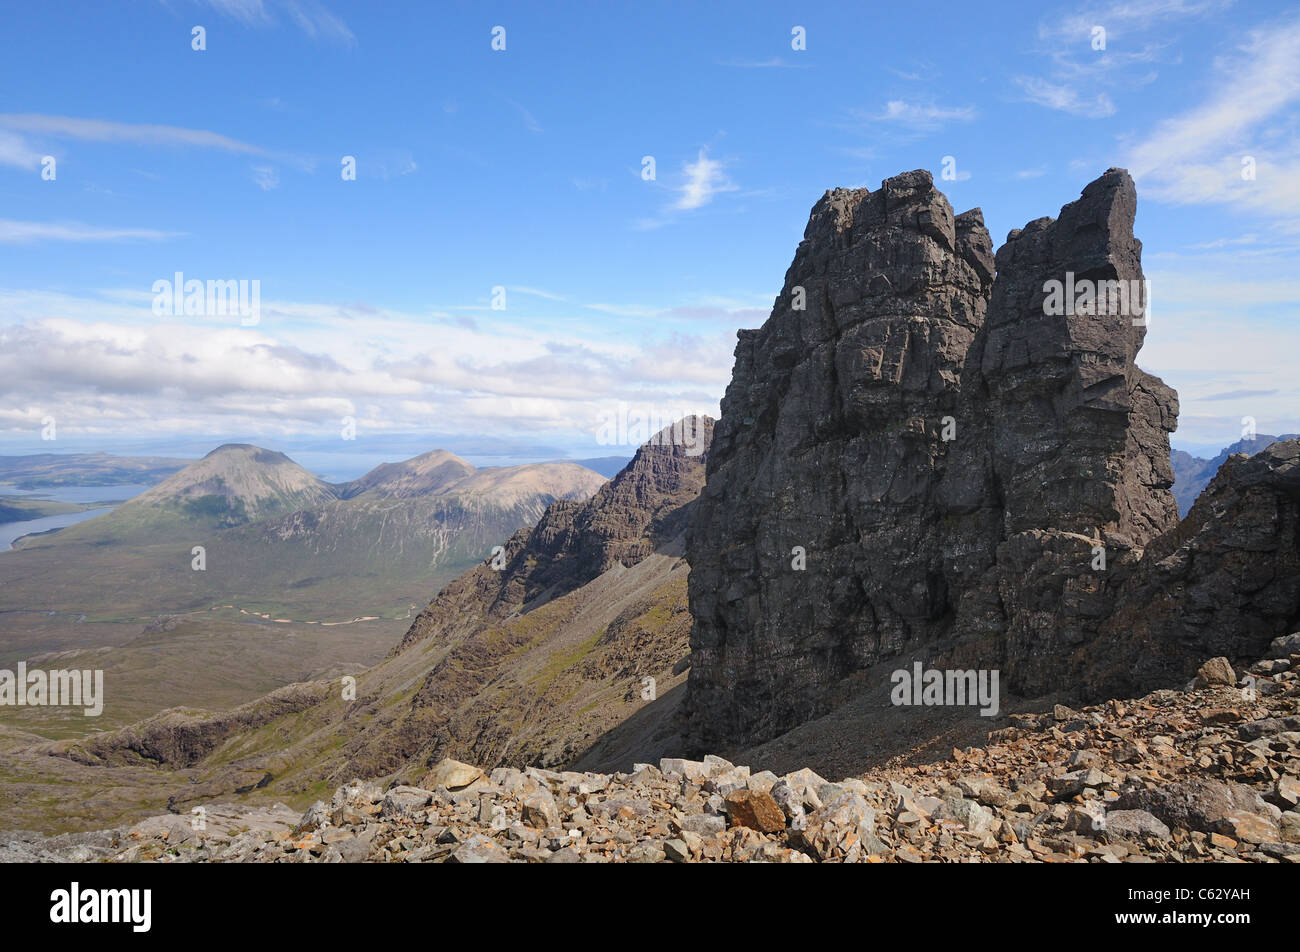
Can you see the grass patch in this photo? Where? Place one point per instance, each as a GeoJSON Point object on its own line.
{"type": "Point", "coordinates": [559, 663]}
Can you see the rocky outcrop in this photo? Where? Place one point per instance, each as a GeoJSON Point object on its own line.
{"type": "Point", "coordinates": [828, 451]}
{"type": "Point", "coordinates": [1192, 474]}
{"type": "Point", "coordinates": [932, 450]}
{"type": "Point", "coordinates": [181, 738]}
{"type": "Point", "coordinates": [1224, 582]}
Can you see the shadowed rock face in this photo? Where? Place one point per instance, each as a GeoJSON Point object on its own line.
{"type": "Point", "coordinates": [948, 448]}
{"type": "Point", "coordinates": [1224, 582]}
{"type": "Point", "coordinates": [829, 441]}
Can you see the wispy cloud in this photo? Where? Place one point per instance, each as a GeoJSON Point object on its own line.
{"type": "Point", "coordinates": [310, 16]}
{"type": "Point", "coordinates": [922, 71]}
{"type": "Point", "coordinates": [620, 310]}
{"type": "Point", "coordinates": [1125, 17]}
{"type": "Point", "coordinates": [704, 178]}
{"type": "Point", "coordinates": [386, 164]}
{"type": "Point", "coordinates": [140, 134]}
{"type": "Point", "coordinates": [25, 232]}
{"type": "Point", "coordinates": [1085, 59]}
{"type": "Point", "coordinates": [15, 151]}
{"type": "Point", "coordinates": [103, 130]}
{"type": "Point", "coordinates": [920, 117]}
{"type": "Point", "coordinates": [1237, 395]}
{"type": "Point", "coordinates": [530, 121]}
{"type": "Point", "coordinates": [1224, 330]}
{"type": "Point", "coordinates": [1224, 243]}
{"type": "Point", "coordinates": [537, 292]}
{"type": "Point", "coordinates": [317, 22]}
{"type": "Point", "coordinates": [1065, 98]}
{"type": "Point", "coordinates": [775, 62]}
{"type": "Point", "coordinates": [862, 153]}
{"type": "Point", "coordinates": [266, 177]}
{"type": "Point", "coordinates": [248, 12]}
{"type": "Point", "coordinates": [1199, 156]}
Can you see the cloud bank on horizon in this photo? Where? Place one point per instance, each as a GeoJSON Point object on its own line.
{"type": "Point", "coordinates": [521, 224]}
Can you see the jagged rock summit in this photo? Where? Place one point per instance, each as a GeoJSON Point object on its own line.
{"type": "Point", "coordinates": [932, 450]}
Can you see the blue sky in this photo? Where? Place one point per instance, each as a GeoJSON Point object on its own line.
{"type": "Point", "coordinates": [522, 169]}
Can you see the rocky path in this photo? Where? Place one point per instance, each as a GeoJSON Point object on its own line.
{"type": "Point", "coordinates": [1206, 774]}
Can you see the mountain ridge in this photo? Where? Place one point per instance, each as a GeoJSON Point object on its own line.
{"type": "Point", "coordinates": [1192, 473]}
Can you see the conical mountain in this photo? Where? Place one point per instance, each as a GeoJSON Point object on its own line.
{"type": "Point", "coordinates": [237, 483]}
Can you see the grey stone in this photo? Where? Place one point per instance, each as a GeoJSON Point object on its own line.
{"type": "Point", "coordinates": [1134, 824]}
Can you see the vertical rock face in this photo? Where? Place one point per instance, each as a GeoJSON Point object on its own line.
{"type": "Point", "coordinates": [829, 443]}
{"type": "Point", "coordinates": [1079, 434]}
{"type": "Point", "coordinates": [1075, 435]}
{"type": "Point", "coordinates": [942, 450]}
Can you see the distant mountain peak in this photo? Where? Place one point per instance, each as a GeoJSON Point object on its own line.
{"type": "Point", "coordinates": [421, 475]}
{"type": "Point", "coordinates": [637, 512]}
{"type": "Point", "coordinates": [258, 453]}
{"type": "Point", "coordinates": [233, 484]}
{"type": "Point", "coordinates": [1192, 473]}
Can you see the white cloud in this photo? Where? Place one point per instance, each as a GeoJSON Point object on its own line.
{"type": "Point", "coordinates": [530, 121]}
{"type": "Point", "coordinates": [921, 71]}
{"type": "Point", "coordinates": [919, 116]}
{"type": "Point", "coordinates": [1224, 243]}
{"type": "Point", "coordinates": [15, 151]}
{"type": "Point", "coordinates": [317, 22]}
{"type": "Point", "coordinates": [775, 62]}
{"type": "Point", "coordinates": [537, 292]}
{"type": "Point", "coordinates": [704, 179]}
{"type": "Point", "coordinates": [386, 164]}
{"type": "Point", "coordinates": [266, 177]}
{"type": "Point", "coordinates": [310, 16]}
{"type": "Point", "coordinates": [137, 134]}
{"type": "Point", "coordinates": [1065, 98]}
{"type": "Point", "coordinates": [106, 365]}
{"type": "Point", "coordinates": [620, 310]}
{"type": "Point", "coordinates": [1080, 73]}
{"type": "Point", "coordinates": [25, 232]}
{"type": "Point", "coordinates": [862, 154]}
{"type": "Point", "coordinates": [248, 12]}
{"type": "Point", "coordinates": [103, 130]}
{"type": "Point", "coordinates": [1222, 334]}
{"type": "Point", "coordinates": [1197, 157]}
{"type": "Point", "coordinates": [1126, 17]}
